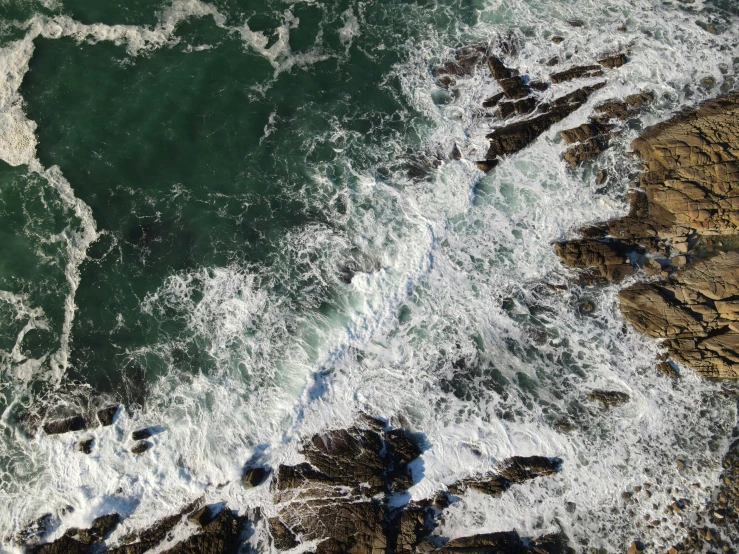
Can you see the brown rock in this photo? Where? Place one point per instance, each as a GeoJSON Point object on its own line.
{"type": "Point", "coordinates": [577, 72]}
{"type": "Point", "coordinates": [254, 476]}
{"type": "Point", "coordinates": [85, 445]}
{"type": "Point", "coordinates": [609, 398]}
{"type": "Point", "coordinates": [612, 62]}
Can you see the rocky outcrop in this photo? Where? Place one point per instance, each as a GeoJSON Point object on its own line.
{"type": "Point", "coordinates": [696, 311]}
{"type": "Point", "coordinates": [608, 398]}
{"type": "Point", "coordinates": [66, 425]}
{"type": "Point", "coordinates": [688, 191]}
{"type": "Point", "coordinates": [80, 541]}
{"type": "Point", "coordinates": [340, 495]}
{"type": "Point", "coordinates": [107, 415]}
{"type": "Point", "coordinates": [590, 139]}
{"type": "Point", "coordinates": [221, 535]}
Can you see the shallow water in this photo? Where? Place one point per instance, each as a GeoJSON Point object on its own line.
{"type": "Point", "coordinates": [183, 185]}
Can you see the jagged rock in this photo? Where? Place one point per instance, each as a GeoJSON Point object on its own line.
{"type": "Point", "coordinates": [34, 531]}
{"type": "Point", "coordinates": [612, 62]}
{"type": "Point", "coordinates": [340, 495]}
{"type": "Point", "coordinates": [486, 165]}
{"type": "Point", "coordinates": [553, 61]}
{"type": "Point", "coordinates": [254, 476]}
{"type": "Point", "coordinates": [79, 541]}
{"type": "Point", "coordinates": [140, 447]}
{"type": "Point", "coordinates": [504, 543]}
{"type": "Point", "coordinates": [498, 69]}
{"type": "Point", "coordinates": [512, 138]}
{"type": "Point", "coordinates": [609, 397]}
{"type": "Point", "coordinates": [539, 86]}
{"type": "Point", "coordinates": [577, 72]}
{"type": "Point", "coordinates": [151, 537]}
{"type": "Point", "coordinates": [605, 259]}
{"type": "Point", "coordinates": [516, 470]}
{"type": "Point", "coordinates": [201, 517]}
{"type": "Point", "coordinates": [586, 150]}
{"type": "Point", "coordinates": [85, 446]}
{"type": "Point", "coordinates": [493, 100]}
{"type": "Point", "coordinates": [695, 312]}
{"type": "Point", "coordinates": [456, 154]}
{"type": "Point", "coordinates": [221, 535]}
{"type": "Point", "coordinates": [141, 434]}
{"type": "Point", "coordinates": [585, 132]}
{"type": "Point", "coordinates": [622, 109]}
{"type": "Point", "coordinates": [513, 88]}
{"type": "Point", "coordinates": [99, 530]}
{"type": "Point", "coordinates": [557, 39]}
{"type": "Point", "coordinates": [66, 425]}
{"type": "Point", "coordinates": [107, 415]}
{"type": "Point", "coordinates": [282, 536]}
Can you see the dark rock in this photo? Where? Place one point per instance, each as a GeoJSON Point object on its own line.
{"type": "Point", "coordinates": [556, 39]}
{"type": "Point", "coordinates": [99, 530]}
{"type": "Point", "coordinates": [493, 100]}
{"type": "Point", "coordinates": [201, 517]}
{"type": "Point", "coordinates": [516, 470]}
{"type": "Point", "coordinates": [602, 177]}
{"type": "Point", "coordinates": [85, 446]}
{"type": "Point", "coordinates": [254, 476]}
{"type": "Point", "coordinates": [512, 138]}
{"type": "Point", "coordinates": [609, 398]}
{"type": "Point", "coordinates": [141, 434]}
{"type": "Point", "coordinates": [141, 447]}
{"type": "Point", "coordinates": [575, 23]}
{"type": "Point", "coordinates": [107, 415]}
{"type": "Point", "coordinates": [578, 72]}
{"type": "Point", "coordinates": [506, 109]}
{"type": "Point", "coordinates": [56, 427]}
{"type": "Point", "coordinates": [486, 165]}
{"type": "Point", "coordinates": [283, 538]}
{"type": "Point", "coordinates": [586, 150]}
{"type": "Point", "coordinates": [514, 88]}
{"type": "Point", "coordinates": [539, 86]}
{"type": "Point", "coordinates": [35, 531]}
{"type": "Point", "coordinates": [221, 535]}
{"type": "Point", "coordinates": [553, 61]}
{"type": "Point", "coordinates": [498, 69]}
{"type": "Point", "coordinates": [64, 545]}
{"type": "Point", "coordinates": [585, 132]}
{"type": "Point", "coordinates": [612, 62]}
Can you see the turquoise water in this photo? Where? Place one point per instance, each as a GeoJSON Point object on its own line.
{"type": "Point", "coordinates": [228, 165]}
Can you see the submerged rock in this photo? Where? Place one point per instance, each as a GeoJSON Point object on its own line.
{"type": "Point", "coordinates": [85, 446]}
{"type": "Point", "coordinates": [609, 398]}
{"type": "Point", "coordinates": [80, 541]}
{"type": "Point", "coordinates": [340, 496]}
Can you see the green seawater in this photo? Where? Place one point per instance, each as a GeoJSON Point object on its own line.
{"type": "Point", "coordinates": [285, 240]}
{"type": "Point", "coordinates": [196, 155]}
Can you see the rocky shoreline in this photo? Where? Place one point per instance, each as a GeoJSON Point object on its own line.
{"type": "Point", "coordinates": [682, 233]}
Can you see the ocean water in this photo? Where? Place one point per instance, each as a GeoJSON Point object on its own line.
{"type": "Point", "coordinates": [184, 185]}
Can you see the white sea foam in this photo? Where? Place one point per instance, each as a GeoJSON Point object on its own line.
{"type": "Point", "coordinates": [456, 268]}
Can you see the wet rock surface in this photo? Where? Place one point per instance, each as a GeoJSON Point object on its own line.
{"type": "Point", "coordinates": [689, 191]}
{"type": "Point", "coordinates": [66, 425]}
{"type": "Point", "coordinates": [340, 496]}
{"type": "Point", "coordinates": [107, 415]}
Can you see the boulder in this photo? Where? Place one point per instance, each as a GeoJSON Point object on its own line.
{"type": "Point", "coordinates": [66, 425]}
{"type": "Point", "coordinates": [254, 476]}
{"type": "Point", "coordinates": [141, 434]}
{"type": "Point", "coordinates": [107, 415]}
{"type": "Point", "coordinates": [141, 447]}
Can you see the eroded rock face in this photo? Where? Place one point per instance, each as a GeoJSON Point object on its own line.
{"type": "Point", "coordinates": [69, 424]}
{"type": "Point", "coordinates": [340, 496]}
{"type": "Point", "coordinates": [696, 311]}
{"type": "Point", "coordinates": [689, 190]}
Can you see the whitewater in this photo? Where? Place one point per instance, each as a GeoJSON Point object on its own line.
{"type": "Point", "coordinates": [459, 322]}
